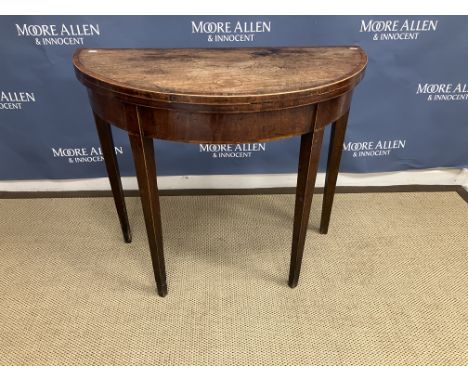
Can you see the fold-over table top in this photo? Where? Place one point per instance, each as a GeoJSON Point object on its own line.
{"type": "Point", "coordinates": [223, 76]}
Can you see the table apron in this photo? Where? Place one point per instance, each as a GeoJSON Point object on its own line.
{"type": "Point", "coordinates": [216, 127]}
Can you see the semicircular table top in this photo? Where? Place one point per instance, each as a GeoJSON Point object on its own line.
{"type": "Point", "coordinates": [237, 75]}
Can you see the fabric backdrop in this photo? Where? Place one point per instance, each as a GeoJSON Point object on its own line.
{"type": "Point", "coordinates": [409, 112]}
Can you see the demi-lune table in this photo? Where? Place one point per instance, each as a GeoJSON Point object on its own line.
{"type": "Point", "coordinates": [237, 95]}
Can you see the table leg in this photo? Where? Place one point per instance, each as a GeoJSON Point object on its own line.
{"type": "Point", "coordinates": [309, 156]}
{"type": "Point", "coordinates": [145, 164]}
{"type": "Point", "coordinates": [333, 165]}
{"type": "Point", "coordinates": [112, 166]}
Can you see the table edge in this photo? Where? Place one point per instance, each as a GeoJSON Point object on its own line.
{"type": "Point", "coordinates": [308, 95]}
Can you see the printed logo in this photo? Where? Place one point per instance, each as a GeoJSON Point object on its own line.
{"type": "Point", "coordinates": [240, 150]}
{"type": "Point", "coordinates": [15, 100]}
{"type": "Point", "coordinates": [227, 31]}
{"type": "Point", "coordinates": [82, 154]}
{"type": "Point", "coordinates": [374, 148]}
{"type": "Point", "coordinates": [387, 30]}
{"type": "Point", "coordinates": [55, 34]}
{"type": "Point", "coordinates": [444, 91]}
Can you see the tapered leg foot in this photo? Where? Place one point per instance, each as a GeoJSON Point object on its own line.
{"type": "Point", "coordinates": [333, 164]}
{"type": "Point", "coordinates": [112, 167]}
{"type": "Point", "coordinates": [293, 282]}
{"type": "Point", "coordinates": [323, 230]}
{"type": "Point", "coordinates": [145, 164]}
{"type": "Point", "coordinates": [307, 172]}
{"type": "Point", "coordinates": [162, 290]}
{"type": "Point", "coordinates": [127, 236]}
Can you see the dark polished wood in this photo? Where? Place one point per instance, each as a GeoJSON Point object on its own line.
{"type": "Point", "coordinates": [333, 164]}
{"type": "Point", "coordinates": [112, 167]}
{"type": "Point", "coordinates": [223, 80]}
{"type": "Point", "coordinates": [145, 164]}
{"type": "Point", "coordinates": [309, 156]}
{"type": "Point", "coordinates": [223, 96]}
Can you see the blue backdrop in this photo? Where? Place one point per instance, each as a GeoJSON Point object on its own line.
{"type": "Point", "coordinates": [410, 111]}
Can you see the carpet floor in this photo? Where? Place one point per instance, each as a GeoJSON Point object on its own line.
{"type": "Point", "coordinates": [388, 285]}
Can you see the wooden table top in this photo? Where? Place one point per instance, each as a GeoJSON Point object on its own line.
{"type": "Point", "coordinates": [223, 76]}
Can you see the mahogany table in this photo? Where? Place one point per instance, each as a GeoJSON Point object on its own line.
{"type": "Point", "coordinates": [221, 96]}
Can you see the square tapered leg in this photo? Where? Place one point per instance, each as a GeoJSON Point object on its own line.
{"type": "Point", "coordinates": [307, 172]}
{"type": "Point", "coordinates": [145, 164]}
{"type": "Point", "coordinates": [112, 167]}
{"type": "Point", "coordinates": [333, 165]}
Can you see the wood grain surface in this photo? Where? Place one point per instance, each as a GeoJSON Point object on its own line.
{"type": "Point", "coordinates": [223, 76]}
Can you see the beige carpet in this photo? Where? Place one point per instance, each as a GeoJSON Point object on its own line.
{"type": "Point", "coordinates": [387, 286]}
